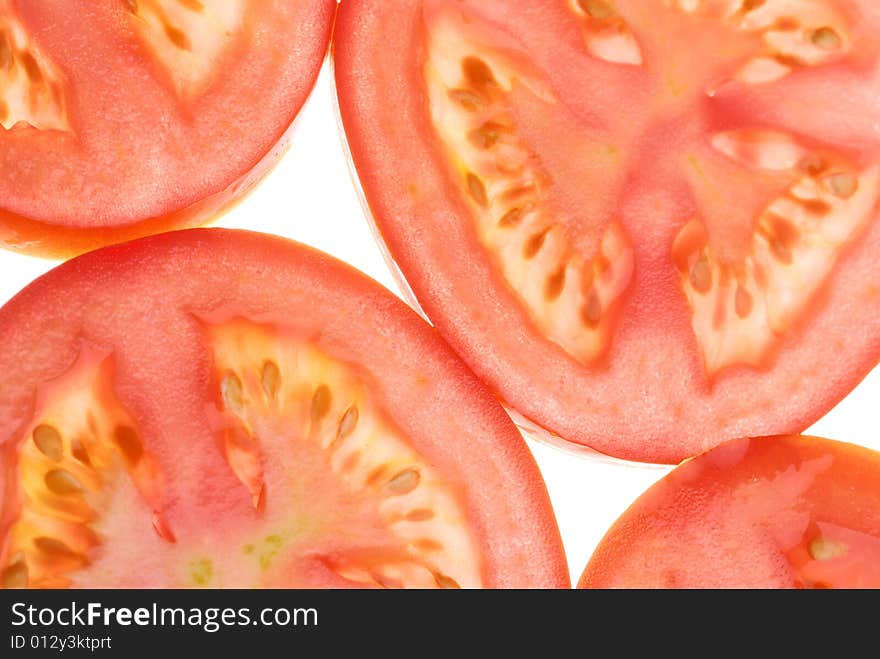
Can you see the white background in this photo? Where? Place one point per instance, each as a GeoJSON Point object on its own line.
{"type": "Point", "coordinates": [310, 197]}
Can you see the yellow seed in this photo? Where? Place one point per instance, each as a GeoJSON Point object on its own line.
{"type": "Point", "coordinates": [843, 185]}
{"type": "Point", "coordinates": [48, 441]}
{"type": "Point", "coordinates": [466, 99]}
{"type": "Point", "coordinates": [534, 244]}
{"type": "Point", "coordinates": [78, 450]}
{"type": "Point", "coordinates": [477, 189]}
{"type": "Point", "coordinates": [781, 251]}
{"type": "Point", "coordinates": [743, 302]}
{"type": "Point", "coordinates": [405, 481]}
{"type": "Point", "coordinates": [591, 313]}
{"type": "Point", "coordinates": [701, 275]}
{"type": "Point", "coordinates": [5, 52]}
{"type": "Point", "coordinates": [511, 218]}
{"type": "Point", "coordinates": [419, 515]}
{"type": "Point", "coordinates": [813, 164]}
{"type": "Point", "coordinates": [271, 378]}
{"type": "Point", "coordinates": [484, 137]}
{"type": "Point", "coordinates": [131, 5]}
{"type": "Point", "coordinates": [129, 444]}
{"type": "Point", "coordinates": [62, 482]}
{"type": "Point", "coordinates": [826, 549]}
{"type": "Point", "coordinates": [53, 547]}
{"type": "Point", "coordinates": [347, 423]}
{"type": "Point", "coordinates": [31, 67]}
{"type": "Point", "coordinates": [446, 582]}
{"type": "Point", "coordinates": [477, 72]}
{"type": "Point", "coordinates": [15, 576]}
{"type": "Point", "coordinates": [826, 39]}
{"type": "Point", "coordinates": [232, 391]}
{"type": "Point", "coordinates": [321, 400]}
{"type": "Point", "coordinates": [596, 8]}
{"type": "Point", "coordinates": [555, 283]}
{"type": "Point", "coordinates": [192, 5]}
{"type": "Point", "coordinates": [177, 37]}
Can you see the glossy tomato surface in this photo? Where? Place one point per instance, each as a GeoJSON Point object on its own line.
{"type": "Point", "coordinates": [779, 512]}
{"type": "Point", "coordinates": [128, 117]}
{"type": "Point", "coordinates": [649, 225]}
{"type": "Point", "coordinates": [223, 408]}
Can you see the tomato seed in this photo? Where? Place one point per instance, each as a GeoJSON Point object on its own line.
{"type": "Point", "coordinates": [826, 549]}
{"type": "Point", "coordinates": [477, 72]}
{"type": "Point", "coordinates": [405, 481]}
{"type": "Point", "coordinates": [477, 189]}
{"type": "Point", "coordinates": [271, 378]}
{"type": "Point", "coordinates": [62, 482]}
{"type": "Point", "coordinates": [743, 302]}
{"type": "Point", "coordinates": [598, 9]}
{"type": "Point", "coordinates": [843, 185]}
{"type": "Point", "coordinates": [701, 275]}
{"type": "Point", "coordinates": [48, 441]}
{"type": "Point", "coordinates": [53, 547]}
{"type": "Point", "coordinates": [826, 38]}
{"type": "Point", "coordinates": [347, 423]}
{"type": "Point", "coordinates": [177, 37]}
{"type": "Point", "coordinates": [446, 582]}
{"type": "Point", "coordinates": [321, 400]}
{"type": "Point", "coordinates": [555, 284]}
{"type": "Point", "coordinates": [129, 444]}
{"type": "Point", "coordinates": [591, 312]}
{"type": "Point", "coordinates": [232, 392]}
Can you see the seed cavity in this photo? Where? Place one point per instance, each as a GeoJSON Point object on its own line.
{"type": "Point", "coordinates": [48, 441]}
{"type": "Point", "coordinates": [826, 549]}
{"type": "Point", "coordinates": [62, 482]}
{"type": "Point", "coordinates": [129, 444]}
{"type": "Point", "coordinates": [404, 481]}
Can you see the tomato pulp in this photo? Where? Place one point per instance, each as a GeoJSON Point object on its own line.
{"type": "Point", "coordinates": [223, 408]}
{"type": "Point", "coordinates": [127, 117]}
{"type": "Point", "coordinates": [649, 225]}
{"type": "Point", "coordinates": [779, 512]}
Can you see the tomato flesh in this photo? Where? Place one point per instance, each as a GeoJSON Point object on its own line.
{"type": "Point", "coordinates": [625, 206]}
{"type": "Point", "coordinates": [120, 119]}
{"type": "Point", "coordinates": [779, 512]}
{"type": "Point", "coordinates": [287, 425]}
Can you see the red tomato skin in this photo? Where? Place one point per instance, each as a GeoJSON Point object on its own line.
{"type": "Point", "coordinates": [742, 516]}
{"type": "Point", "coordinates": [49, 230]}
{"type": "Point", "coordinates": [161, 370]}
{"type": "Point", "coordinates": [632, 405]}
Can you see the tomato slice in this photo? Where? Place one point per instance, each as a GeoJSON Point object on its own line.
{"type": "Point", "coordinates": [777, 512]}
{"type": "Point", "coordinates": [223, 408]}
{"type": "Point", "coordinates": [642, 222]}
{"type": "Point", "coordinates": [127, 117]}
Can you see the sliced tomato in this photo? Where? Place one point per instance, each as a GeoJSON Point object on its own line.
{"type": "Point", "coordinates": [221, 408]}
{"type": "Point", "coordinates": [777, 512]}
{"type": "Point", "coordinates": [127, 117]}
{"type": "Point", "coordinates": [644, 222]}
